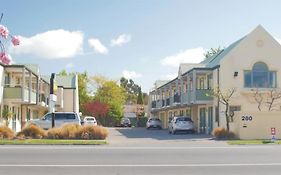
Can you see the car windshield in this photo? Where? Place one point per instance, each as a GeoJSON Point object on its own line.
{"type": "Point", "coordinates": [154, 119]}
{"type": "Point", "coordinates": [183, 119]}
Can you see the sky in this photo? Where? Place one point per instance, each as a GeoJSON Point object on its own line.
{"type": "Point", "coordinates": [144, 40]}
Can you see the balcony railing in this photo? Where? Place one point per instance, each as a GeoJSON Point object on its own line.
{"type": "Point", "coordinates": [203, 95]}
{"type": "Point", "coordinates": [153, 104]}
{"type": "Point", "coordinates": [177, 98]}
{"type": "Point", "coordinates": [168, 102]}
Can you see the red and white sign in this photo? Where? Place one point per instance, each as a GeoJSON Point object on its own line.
{"type": "Point", "coordinates": [273, 131]}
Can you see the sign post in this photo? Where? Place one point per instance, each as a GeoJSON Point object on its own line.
{"type": "Point", "coordinates": [53, 98]}
{"type": "Point", "coordinates": [273, 134]}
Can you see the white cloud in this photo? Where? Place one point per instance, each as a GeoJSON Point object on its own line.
{"type": "Point", "coordinates": [120, 40]}
{"type": "Point", "coordinates": [131, 74]}
{"type": "Point", "coordinates": [52, 44]}
{"type": "Point", "coordinates": [97, 46]}
{"type": "Point", "coordinates": [69, 65]}
{"type": "Point", "coordinates": [194, 55]}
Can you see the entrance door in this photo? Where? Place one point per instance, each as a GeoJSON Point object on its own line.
{"type": "Point", "coordinates": [202, 123]}
{"type": "Point", "coordinates": [210, 120]}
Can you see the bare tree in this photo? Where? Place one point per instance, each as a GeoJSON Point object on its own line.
{"type": "Point", "coordinates": [269, 98]}
{"type": "Point", "coordinates": [258, 98]}
{"type": "Point", "coordinates": [273, 96]}
{"type": "Point", "coordinates": [224, 98]}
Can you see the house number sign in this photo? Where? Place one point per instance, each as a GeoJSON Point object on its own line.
{"type": "Point", "coordinates": [246, 118]}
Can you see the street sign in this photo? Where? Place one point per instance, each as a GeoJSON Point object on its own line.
{"type": "Point", "coordinates": [273, 133]}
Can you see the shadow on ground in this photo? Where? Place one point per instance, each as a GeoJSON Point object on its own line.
{"type": "Point", "coordinates": [159, 134]}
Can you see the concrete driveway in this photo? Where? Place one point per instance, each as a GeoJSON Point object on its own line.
{"type": "Point", "coordinates": [143, 137]}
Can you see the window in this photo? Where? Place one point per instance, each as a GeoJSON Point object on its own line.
{"type": "Point", "coordinates": [209, 81]}
{"type": "Point", "coordinates": [200, 83]}
{"type": "Point", "coordinates": [260, 77]}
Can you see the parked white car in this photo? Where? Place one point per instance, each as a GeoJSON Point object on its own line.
{"type": "Point", "coordinates": [89, 120]}
{"type": "Point", "coordinates": [181, 123]}
{"type": "Point", "coordinates": [60, 118]}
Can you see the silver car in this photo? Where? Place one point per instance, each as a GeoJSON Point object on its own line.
{"type": "Point", "coordinates": [60, 118]}
{"type": "Point", "coordinates": [153, 123]}
{"type": "Point", "coordinates": [181, 123]}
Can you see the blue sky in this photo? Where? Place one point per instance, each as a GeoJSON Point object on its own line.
{"type": "Point", "coordinates": [142, 39]}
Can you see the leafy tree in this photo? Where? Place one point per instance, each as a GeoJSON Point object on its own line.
{"type": "Point", "coordinates": [97, 109]}
{"type": "Point", "coordinates": [140, 97]}
{"type": "Point", "coordinates": [113, 95]}
{"type": "Point", "coordinates": [132, 90]}
{"type": "Point", "coordinates": [212, 51]}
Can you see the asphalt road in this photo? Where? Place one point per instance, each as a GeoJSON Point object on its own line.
{"type": "Point", "coordinates": [206, 157]}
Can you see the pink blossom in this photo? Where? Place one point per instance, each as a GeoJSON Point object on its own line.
{"type": "Point", "coordinates": [5, 58]}
{"type": "Point", "coordinates": [4, 32]}
{"type": "Point", "coordinates": [15, 40]}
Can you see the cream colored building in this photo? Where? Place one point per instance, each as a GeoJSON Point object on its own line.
{"type": "Point", "coordinates": [24, 94]}
{"type": "Point", "coordinates": [250, 65]}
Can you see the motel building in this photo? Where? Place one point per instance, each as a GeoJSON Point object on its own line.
{"type": "Point", "coordinates": [251, 66]}
{"type": "Point", "coordinates": [24, 94]}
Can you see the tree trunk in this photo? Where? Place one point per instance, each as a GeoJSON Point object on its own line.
{"type": "Point", "coordinates": [227, 117]}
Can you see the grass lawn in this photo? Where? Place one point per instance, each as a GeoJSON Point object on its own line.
{"type": "Point", "coordinates": [52, 142]}
{"type": "Point", "coordinates": [252, 142]}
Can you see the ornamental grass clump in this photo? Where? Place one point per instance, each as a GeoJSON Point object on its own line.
{"type": "Point", "coordinates": [6, 133]}
{"type": "Point", "coordinates": [89, 132]}
{"type": "Point", "coordinates": [223, 134]}
{"type": "Point", "coordinates": [32, 131]}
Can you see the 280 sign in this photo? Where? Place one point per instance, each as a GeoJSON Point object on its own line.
{"type": "Point", "coordinates": [247, 118]}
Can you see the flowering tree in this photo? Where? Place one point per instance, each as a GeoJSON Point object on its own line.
{"type": "Point", "coordinates": [4, 35]}
{"type": "Point", "coordinates": [98, 110]}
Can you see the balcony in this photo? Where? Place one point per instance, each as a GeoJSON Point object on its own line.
{"type": "Point", "coordinates": [153, 104]}
{"type": "Point", "coordinates": [203, 95]}
{"type": "Point", "coordinates": [177, 98]}
{"type": "Point", "coordinates": [168, 102]}
{"type": "Point", "coordinates": [19, 94]}
{"type": "Point", "coordinates": [163, 103]}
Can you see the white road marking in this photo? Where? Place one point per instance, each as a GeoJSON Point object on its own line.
{"type": "Point", "coordinates": [67, 147]}
{"type": "Point", "coordinates": [148, 165]}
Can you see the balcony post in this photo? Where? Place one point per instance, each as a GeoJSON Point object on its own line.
{"type": "Point", "coordinates": [194, 82]}
{"type": "Point", "coordinates": [181, 93]}
{"type": "Point", "coordinates": [30, 87]}
{"type": "Point", "coordinates": [23, 83]}
{"type": "Point", "coordinates": [37, 89]}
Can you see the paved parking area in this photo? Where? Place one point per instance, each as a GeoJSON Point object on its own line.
{"type": "Point", "coordinates": [142, 137]}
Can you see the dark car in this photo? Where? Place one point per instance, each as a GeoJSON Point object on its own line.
{"type": "Point", "coordinates": [125, 122]}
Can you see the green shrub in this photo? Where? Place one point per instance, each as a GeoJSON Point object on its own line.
{"type": "Point", "coordinates": [6, 133]}
{"type": "Point", "coordinates": [90, 132]}
{"type": "Point", "coordinates": [221, 133]}
{"type": "Point", "coordinates": [32, 131]}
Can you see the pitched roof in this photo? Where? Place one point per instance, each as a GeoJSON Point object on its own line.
{"type": "Point", "coordinates": [214, 60]}
{"type": "Point", "coordinates": [160, 83]}
{"type": "Point", "coordinates": [185, 67]}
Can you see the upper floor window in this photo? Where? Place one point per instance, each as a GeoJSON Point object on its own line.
{"type": "Point", "coordinates": [260, 77]}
